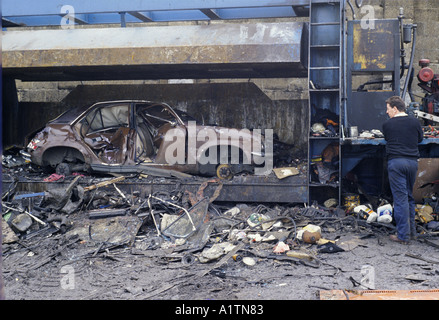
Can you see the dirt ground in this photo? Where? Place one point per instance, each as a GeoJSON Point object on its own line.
{"type": "Point", "coordinates": [64, 267]}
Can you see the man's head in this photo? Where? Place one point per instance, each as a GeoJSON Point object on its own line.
{"type": "Point", "coordinates": [395, 105]}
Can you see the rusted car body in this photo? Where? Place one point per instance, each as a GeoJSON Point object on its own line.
{"type": "Point", "coordinates": [134, 136]}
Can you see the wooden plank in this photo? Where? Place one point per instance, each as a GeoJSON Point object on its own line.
{"type": "Point", "coordinates": [104, 183]}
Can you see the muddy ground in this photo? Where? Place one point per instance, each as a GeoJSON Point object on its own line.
{"type": "Point", "coordinates": [121, 274]}
{"type": "Point", "coordinates": [62, 266]}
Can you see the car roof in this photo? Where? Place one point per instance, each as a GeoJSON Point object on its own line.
{"type": "Point", "coordinates": [72, 114]}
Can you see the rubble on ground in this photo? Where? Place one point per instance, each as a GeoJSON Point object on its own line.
{"type": "Point", "coordinates": [191, 223]}
{"type": "Point", "coordinates": [190, 229]}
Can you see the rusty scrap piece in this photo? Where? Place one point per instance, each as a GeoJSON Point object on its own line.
{"type": "Point", "coordinates": [169, 203]}
{"type": "Point", "coordinates": [72, 184]}
{"type": "Point", "coordinates": [181, 227]}
{"type": "Point", "coordinates": [24, 211]}
{"type": "Point", "coordinates": [193, 199]}
{"type": "Point", "coordinates": [200, 193]}
{"type": "Point", "coordinates": [113, 231]}
{"type": "Point", "coordinates": [379, 294]}
{"type": "Point", "coordinates": [106, 213]}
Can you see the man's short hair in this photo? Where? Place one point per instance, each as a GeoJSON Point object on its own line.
{"type": "Point", "coordinates": [397, 102]}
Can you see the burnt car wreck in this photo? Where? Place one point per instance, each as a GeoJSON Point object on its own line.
{"type": "Point", "coordinates": [141, 136]}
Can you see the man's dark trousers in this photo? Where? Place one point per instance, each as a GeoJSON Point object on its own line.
{"type": "Point", "coordinates": [402, 176]}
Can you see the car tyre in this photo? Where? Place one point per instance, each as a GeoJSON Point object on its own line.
{"type": "Point", "coordinates": [63, 169]}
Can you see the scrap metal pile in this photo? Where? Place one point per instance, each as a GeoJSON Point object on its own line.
{"type": "Point", "coordinates": [191, 227]}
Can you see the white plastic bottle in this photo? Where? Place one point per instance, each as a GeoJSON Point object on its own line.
{"type": "Point", "coordinates": [385, 213]}
{"type": "Point", "coordinates": [368, 213]}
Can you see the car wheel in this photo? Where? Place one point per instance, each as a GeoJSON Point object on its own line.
{"type": "Point", "coordinates": [224, 171]}
{"type": "Point", "coordinates": [63, 169]}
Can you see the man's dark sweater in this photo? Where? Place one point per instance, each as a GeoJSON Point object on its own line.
{"type": "Point", "coordinates": [402, 135]}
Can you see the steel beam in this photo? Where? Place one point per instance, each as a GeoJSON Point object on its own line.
{"type": "Point", "coordinates": [155, 16]}
{"type": "Point", "coordinates": [78, 19]}
{"type": "Point", "coordinates": [196, 51]}
{"type": "Point", "coordinates": [53, 7]}
{"type": "Point", "coordinates": [46, 12]}
{"type": "Point", "coordinates": [251, 189]}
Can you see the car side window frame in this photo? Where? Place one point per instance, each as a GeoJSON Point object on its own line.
{"type": "Point", "coordinates": [102, 125]}
{"type": "Point", "coordinates": [142, 110]}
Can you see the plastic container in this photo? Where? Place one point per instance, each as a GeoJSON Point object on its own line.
{"type": "Point", "coordinates": [366, 213]}
{"type": "Point", "coordinates": [254, 219]}
{"type": "Point", "coordinates": [313, 231]}
{"type": "Point", "coordinates": [385, 213]}
{"type": "Point", "coordinates": [310, 237]}
{"type": "Point", "coordinates": [351, 200]}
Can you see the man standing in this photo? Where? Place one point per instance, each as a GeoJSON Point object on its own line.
{"type": "Point", "coordinates": [402, 134]}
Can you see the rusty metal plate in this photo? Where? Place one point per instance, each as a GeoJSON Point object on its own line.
{"type": "Point", "coordinates": [373, 49]}
{"type": "Point", "coordinates": [157, 52]}
{"type": "Point", "coordinates": [263, 189]}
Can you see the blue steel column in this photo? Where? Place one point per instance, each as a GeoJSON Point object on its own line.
{"type": "Point", "coordinates": [326, 82]}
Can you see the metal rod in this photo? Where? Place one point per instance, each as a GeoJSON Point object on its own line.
{"type": "Point", "coordinates": [172, 204]}
{"type": "Point", "coordinates": [28, 213]}
{"type": "Point", "coordinates": [153, 218]}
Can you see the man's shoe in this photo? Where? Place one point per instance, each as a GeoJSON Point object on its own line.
{"type": "Point", "coordinates": [395, 238]}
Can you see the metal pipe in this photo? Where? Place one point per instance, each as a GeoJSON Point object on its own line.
{"type": "Point", "coordinates": [409, 89]}
{"type": "Point", "coordinates": [352, 8]}
{"type": "Point", "coordinates": [412, 56]}
{"type": "Point", "coordinates": [343, 101]}
{"type": "Point", "coordinates": [402, 50]}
